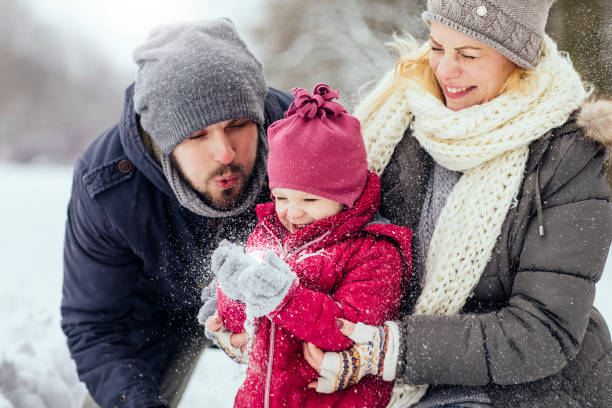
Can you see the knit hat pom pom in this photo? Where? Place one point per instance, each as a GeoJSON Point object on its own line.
{"type": "Point", "coordinates": [319, 103]}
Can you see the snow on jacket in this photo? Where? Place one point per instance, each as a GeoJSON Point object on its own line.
{"type": "Point", "coordinates": [133, 264]}
{"type": "Point", "coordinates": [347, 266]}
{"type": "Point", "coordinates": [529, 333]}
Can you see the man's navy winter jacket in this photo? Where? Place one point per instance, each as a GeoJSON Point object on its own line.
{"type": "Point", "coordinates": [135, 261]}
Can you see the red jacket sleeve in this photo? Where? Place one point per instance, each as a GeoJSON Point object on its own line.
{"type": "Point", "coordinates": [368, 292]}
{"type": "Point", "coordinates": [231, 312]}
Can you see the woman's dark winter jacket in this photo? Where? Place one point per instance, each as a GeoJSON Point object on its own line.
{"type": "Point", "coordinates": [529, 333]}
{"type": "Point", "coordinates": [135, 261]}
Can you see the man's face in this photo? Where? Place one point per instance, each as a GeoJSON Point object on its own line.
{"type": "Point", "coordinates": [218, 160]}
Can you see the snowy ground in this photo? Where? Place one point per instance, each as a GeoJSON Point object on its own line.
{"type": "Point", "coordinates": [35, 368]}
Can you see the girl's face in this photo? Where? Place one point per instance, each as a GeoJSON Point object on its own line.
{"type": "Point", "coordinates": [296, 209]}
{"type": "Point", "coordinates": [468, 71]}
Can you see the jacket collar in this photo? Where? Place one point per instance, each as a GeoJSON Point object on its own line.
{"type": "Point", "coordinates": [135, 149]}
{"type": "Point", "coordinates": [538, 147]}
{"type": "Point", "coordinates": [594, 119]}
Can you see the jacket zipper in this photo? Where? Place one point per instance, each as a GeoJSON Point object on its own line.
{"type": "Point", "coordinates": [273, 325]}
{"type": "Point", "coordinates": [539, 202]}
{"type": "Point", "coordinates": [269, 370]}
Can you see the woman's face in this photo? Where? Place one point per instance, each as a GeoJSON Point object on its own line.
{"type": "Point", "coordinates": [468, 71]}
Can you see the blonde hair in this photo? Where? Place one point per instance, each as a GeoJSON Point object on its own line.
{"type": "Point", "coordinates": [413, 66]}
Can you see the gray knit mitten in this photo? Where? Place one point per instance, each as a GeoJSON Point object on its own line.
{"type": "Point", "coordinates": [265, 285]}
{"type": "Point", "coordinates": [227, 262]}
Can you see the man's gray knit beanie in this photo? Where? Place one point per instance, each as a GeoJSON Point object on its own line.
{"type": "Point", "coordinates": [515, 28]}
{"type": "Point", "coordinates": [192, 75]}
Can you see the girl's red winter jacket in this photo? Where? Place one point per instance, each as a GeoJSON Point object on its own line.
{"type": "Point", "coordinates": [348, 266]}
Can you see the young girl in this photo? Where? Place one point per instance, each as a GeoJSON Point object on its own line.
{"type": "Point", "coordinates": [324, 257]}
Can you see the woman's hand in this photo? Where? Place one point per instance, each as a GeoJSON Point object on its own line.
{"type": "Point", "coordinates": [233, 344]}
{"type": "Point", "coordinates": [343, 369]}
{"type": "Point", "coordinates": [314, 355]}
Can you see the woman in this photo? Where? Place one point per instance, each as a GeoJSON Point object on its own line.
{"type": "Point", "coordinates": [487, 151]}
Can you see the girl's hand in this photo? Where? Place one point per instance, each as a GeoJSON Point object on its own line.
{"type": "Point", "coordinates": [367, 356]}
{"type": "Point", "coordinates": [265, 284]}
{"type": "Point", "coordinates": [227, 261]}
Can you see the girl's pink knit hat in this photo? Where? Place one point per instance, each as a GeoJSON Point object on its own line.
{"type": "Point", "coordinates": [318, 148]}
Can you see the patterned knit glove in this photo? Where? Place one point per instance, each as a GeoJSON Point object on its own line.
{"type": "Point", "coordinates": [375, 352]}
{"type": "Point", "coordinates": [265, 285]}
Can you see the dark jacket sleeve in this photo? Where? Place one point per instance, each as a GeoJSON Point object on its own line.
{"type": "Point", "coordinates": [100, 275]}
{"type": "Point", "coordinates": [541, 327]}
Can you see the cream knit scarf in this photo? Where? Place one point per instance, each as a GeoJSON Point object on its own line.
{"type": "Point", "coordinates": [489, 144]}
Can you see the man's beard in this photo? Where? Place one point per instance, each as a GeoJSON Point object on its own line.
{"type": "Point", "coordinates": [228, 200]}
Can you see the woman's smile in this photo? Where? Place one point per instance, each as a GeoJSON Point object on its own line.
{"type": "Point", "coordinates": [457, 92]}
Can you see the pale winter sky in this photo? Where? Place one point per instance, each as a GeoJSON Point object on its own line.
{"type": "Point", "coordinates": [117, 26]}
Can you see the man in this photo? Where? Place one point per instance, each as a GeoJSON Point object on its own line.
{"type": "Point", "coordinates": [152, 197]}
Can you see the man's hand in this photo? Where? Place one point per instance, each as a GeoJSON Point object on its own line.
{"type": "Point", "coordinates": [233, 344]}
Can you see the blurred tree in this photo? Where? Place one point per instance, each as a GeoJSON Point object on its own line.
{"type": "Point", "coordinates": [57, 93]}
{"type": "Point", "coordinates": [334, 41]}
{"type": "Point", "coordinates": [583, 29]}
{"type": "Point", "coordinates": [342, 42]}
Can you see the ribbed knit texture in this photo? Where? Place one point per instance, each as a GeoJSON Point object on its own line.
{"type": "Point", "coordinates": [514, 28]}
{"type": "Point", "coordinates": [192, 75]}
{"type": "Point", "coordinates": [439, 187]}
{"type": "Point", "coordinates": [489, 143]}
